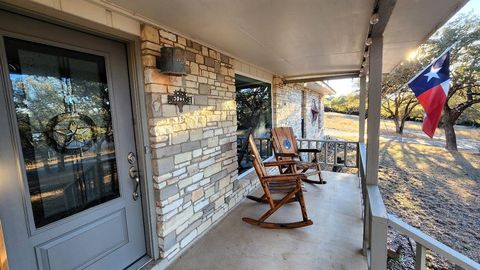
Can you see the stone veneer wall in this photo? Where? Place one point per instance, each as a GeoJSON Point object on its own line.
{"type": "Point", "coordinates": [287, 106]}
{"type": "Point", "coordinates": [194, 152]}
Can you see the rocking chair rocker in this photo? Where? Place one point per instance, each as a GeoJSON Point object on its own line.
{"type": "Point", "coordinates": [286, 149]}
{"type": "Point", "coordinates": [289, 184]}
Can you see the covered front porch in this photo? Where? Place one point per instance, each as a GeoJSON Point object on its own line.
{"type": "Point", "coordinates": [334, 241]}
{"type": "Point", "coordinates": [187, 190]}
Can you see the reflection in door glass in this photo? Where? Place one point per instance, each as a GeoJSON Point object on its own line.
{"type": "Point", "coordinates": [65, 126]}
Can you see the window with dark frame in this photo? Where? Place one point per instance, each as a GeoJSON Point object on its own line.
{"type": "Point", "coordinates": [254, 116]}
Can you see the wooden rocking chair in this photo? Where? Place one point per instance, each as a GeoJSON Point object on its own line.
{"type": "Point", "coordinates": [288, 184]}
{"type": "Point", "coordinates": [286, 149]}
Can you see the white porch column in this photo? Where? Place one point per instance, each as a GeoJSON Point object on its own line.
{"type": "Point", "coordinates": [374, 104]}
{"type": "Point", "coordinates": [361, 109]}
{"type": "Point", "coordinates": [378, 225]}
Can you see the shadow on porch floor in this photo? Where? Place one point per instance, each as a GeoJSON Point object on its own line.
{"type": "Point", "coordinates": [334, 241]}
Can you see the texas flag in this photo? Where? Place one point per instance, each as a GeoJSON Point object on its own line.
{"type": "Point", "coordinates": [431, 89]}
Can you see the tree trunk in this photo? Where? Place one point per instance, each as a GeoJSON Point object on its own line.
{"type": "Point", "coordinates": [401, 126]}
{"type": "Point", "coordinates": [398, 126]}
{"type": "Point", "coordinates": [399, 129]}
{"type": "Point", "coordinates": [450, 137]}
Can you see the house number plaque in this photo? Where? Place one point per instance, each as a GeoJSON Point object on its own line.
{"type": "Point", "coordinates": [179, 98]}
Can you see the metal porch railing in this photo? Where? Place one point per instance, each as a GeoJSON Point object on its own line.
{"type": "Point", "coordinates": [333, 152]}
{"type": "Point", "coordinates": [377, 222]}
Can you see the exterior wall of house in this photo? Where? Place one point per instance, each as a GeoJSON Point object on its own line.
{"type": "Point", "coordinates": [321, 122]}
{"type": "Point", "coordinates": [89, 11]}
{"type": "Point", "coordinates": [287, 106]}
{"type": "Point", "coordinates": [291, 102]}
{"type": "Point", "coordinates": [194, 152]}
{"type": "Point", "coordinates": [313, 127]}
{"type": "Point", "coordinates": [252, 71]}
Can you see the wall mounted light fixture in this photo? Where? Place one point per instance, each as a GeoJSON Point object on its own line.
{"type": "Point", "coordinates": [172, 61]}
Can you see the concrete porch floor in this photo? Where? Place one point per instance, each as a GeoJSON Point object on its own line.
{"type": "Point", "coordinates": [334, 241]}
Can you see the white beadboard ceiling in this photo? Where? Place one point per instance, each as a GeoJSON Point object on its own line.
{"type": "Point", "coordinates": [297, 37]}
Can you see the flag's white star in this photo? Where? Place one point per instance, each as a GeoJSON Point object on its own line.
{"type": "Point", "coordinates": [433, 73]}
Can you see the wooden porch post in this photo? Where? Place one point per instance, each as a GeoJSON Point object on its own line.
{"type": "Point", "coordinates": [361, 109]}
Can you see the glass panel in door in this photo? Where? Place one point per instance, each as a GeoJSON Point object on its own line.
{"type": "Point", "coordinates": [64, 120]}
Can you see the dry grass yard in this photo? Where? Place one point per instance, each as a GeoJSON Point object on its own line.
{"type": "Point", "coordinates": [346, 127]}
{"type": "Point", "coordinates": [429, 187]}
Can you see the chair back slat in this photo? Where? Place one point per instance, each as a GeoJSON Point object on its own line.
{"type": "Point", "coordinates": [284, 141]}
{"type": "Point", "coordinates": [257, 160]}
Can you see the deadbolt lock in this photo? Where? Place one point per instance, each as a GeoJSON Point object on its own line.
{"type": "Point", "coordinates": [131, 158]}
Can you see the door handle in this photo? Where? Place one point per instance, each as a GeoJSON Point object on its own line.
{"type": "Point", "coordinates": [133, 173]}
{"type": "Point", "coordinates": [135, 194]}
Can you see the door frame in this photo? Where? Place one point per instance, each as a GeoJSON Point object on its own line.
{"type": "Point", "coordinates": [137, 95]}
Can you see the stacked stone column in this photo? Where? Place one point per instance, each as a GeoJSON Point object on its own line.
{"type": "Point", "coordinates": [193, 153]}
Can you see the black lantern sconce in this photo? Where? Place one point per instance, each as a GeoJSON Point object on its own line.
{"type": "Point", "coordinates": [172, 61]}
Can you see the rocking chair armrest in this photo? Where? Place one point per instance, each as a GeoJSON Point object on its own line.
{"type": "Point", "coordinates": [285, 177]}
{"type": "Point", "coordinates": [286, 154]}
{"type": "Point", "coordinates": [279, 163]}
{"type": "Point", "coordinates": [309, 150]}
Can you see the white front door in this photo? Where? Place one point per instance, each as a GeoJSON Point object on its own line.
{"type": "Point", "coordinates": [67, 149]}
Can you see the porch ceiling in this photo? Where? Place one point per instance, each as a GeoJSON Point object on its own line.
{"type": "Point", "coordinates": [293, 38]}
{"type": "Point", "coordinates": [411, 23]}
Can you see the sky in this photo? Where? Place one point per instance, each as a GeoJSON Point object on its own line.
{"type": "Point", "coordinates": [347, 86]}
